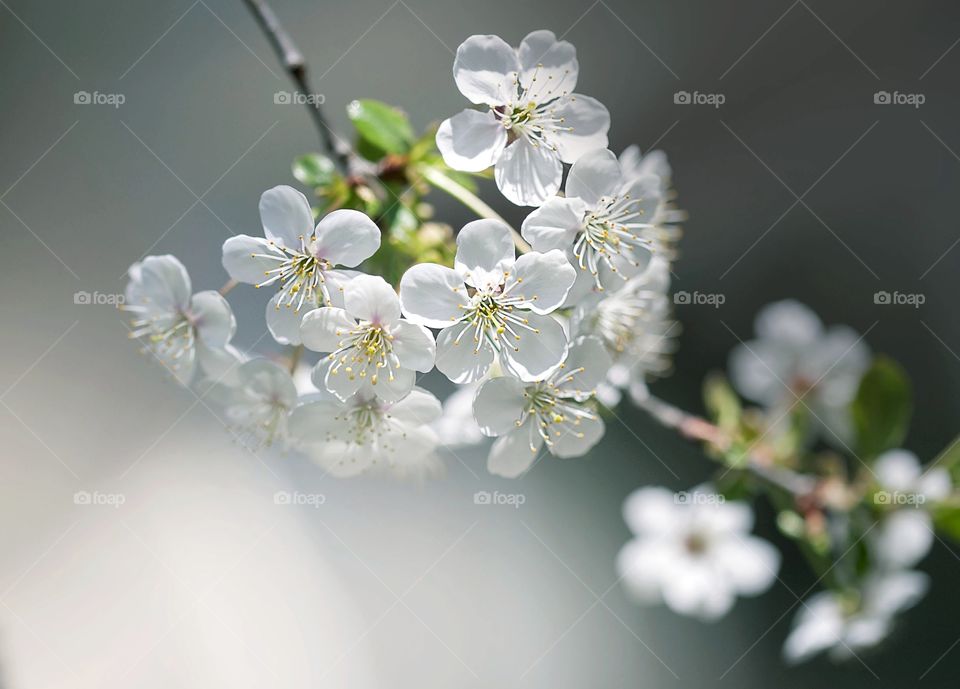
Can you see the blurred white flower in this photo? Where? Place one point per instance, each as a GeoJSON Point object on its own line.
{"type": "Point", "coordinates": [600, 222]}
{"type": "Point", "coordinates": [693, 551]}
{"type": "Point", "coordinates": [555, 411]}
{"type": "Point", "coordinates": [366, 434]}
{"type": "Point", "coordinates": [795, 356]}
{"type": "Point", "coordinates": [847, 624]}
{"type": "Point", "coordinates": [371, 347]}
{"type": "Point", "coordinates": [636, 165]}
{"type": "Point", "coordinates": [904, 536]}
{"type": "Point", "coordinates": [299, 258]}
{"type": "Point", "coordinates": [259, 403]}
{"type": "Point", "coordinates": [667, 217]}
{"type": "Point", "coordinates": [534, 121]}
{"type": "Point", "coordinates": [178, 327]}
{"type": "Point", "coordinates": [491, 304]}
{"type": "Point", "coordinates": [457, 427]}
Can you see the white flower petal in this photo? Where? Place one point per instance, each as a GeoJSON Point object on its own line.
{"type": "Point", "coordinates": [284, 321]}
{"type": "Point", "coordinates": [463, 362]}
{"type": "Point", "coordinates": [555, 224]}
{"type": "Point", "coordinates": [897, 470]}
{"type": "Point", "coordinates": [537, 352]}
{"type": "Point", "coordinates": [749, 562]}
{"type": "Point", "coordinates": [419, 408]}
{"type": "Point", "coordinates": [935, 484]}
{"type": "Point", "coordinates": [788, 321]}
{"type": "Point", "coordinates": [344, 459]}
{"type": "Point", "coordinates": [268, 380]}
{"type": "Point", "coordinates": [241, 260]}
{"type": "Point", "coordinates": [220, 364]}
{"type": "Point", "coordinates": [323, 329]}
{"type": "Point", "coordinates": [528, 175]}
{"type": "Point", "coordinates": [339, 381]}
{"type": "Point", "coordinates": [414, 346]}
{"type": "Point", "coordinates": [585, 366]}
{"type": "Point", "coordinates": [902, 538]}
{"type": "Point", "coordinates": [515, 452]}
{"type": "Point", "coordinates": [471, 140]}
{"type": "Point", "coordinates": [432, 295]}
{"type": "Point", "coordinates": [595, 174]}
{"type": "Point", "coordinates": [579, 440]}
{"type": "Point", "coordinates": [819, 626]}
{"type": "Point", "coordinates": [370, 298]}
{"type": "Point", "coordinates": [286, 215]}
{"type": "Point", "coordinates": [892, 592]}
{"type": "Point", "coordinates": [212, 318]}
{"type": "Point", "coordinates": [551, 62]}
{"type": "Point", "coordinates": [161, 281]}
{"type": "Point", "coordinates": [837, 362]}
{"type": "Point", "coordinates": [588, 122]}
{"type": "Point", "coordinates": [641, 564]}
{"type": "Point", "coordinates": [316, 422]}
{"type": "Point", "coordinates": [335, 281]}
{"type": "Point", "coordinates": [485, 253]}
{"type": "Point", "coordinates": [390, 387]}
{"type": "Point", "coordinates": [346, 238]}
{"type": "Point", "coordinates": [499, 404]}
{"type": "Point", "coordinates": [484, 69]}
{"type": "Point", "coordinates": [651, 511]}
{"type": "Point", "coordinates": [541, 280]}
{"type": "Point", "coordinates": [760, 370]}
{"type": "Point", "coordinates": [693, 589]}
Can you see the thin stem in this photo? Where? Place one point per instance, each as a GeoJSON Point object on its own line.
{"type": "Point", "coordinates": [227, 286]}
{"type": "Point", "coordinates": [296, 66]}
{"type": "Point", "coordinates": [295, 358]}
{"type": "Point", "coordinates": [470, 200]}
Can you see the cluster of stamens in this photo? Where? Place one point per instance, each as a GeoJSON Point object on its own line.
{"type": "Point", "coordinates": [168, 336]}
{"type": "Point", "coordinates": [299, 275]}
{"type": "Point", "coordinates": [556, 410]}
{"type": "Point", "coordinates": [530, 110]}
{"type": "Point", "coordinates": [271, 425]}
{"type": "Point", "coordinates": [495, 316]}
{"type": "Point", "coordinates": [364, 351]}
{"type": "Point", "coordinates": [610, 230]}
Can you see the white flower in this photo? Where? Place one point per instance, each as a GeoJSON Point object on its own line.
{"type": "Point", "coordinates": [636, 165]}
{"type": "Point", "coordinates": [693, 551]}
{"type": "Point", "coordinates": [555, 411]}
{"type": "Point", "coordinates": [600, 223]}
{"type": "Point", "coordinates": [845, 625]}
{"type": "Point", "coordinates": [371, 347]}
{"type": "Point", "coordinates": [258, 405]}
{"type": "Point", "coordinates": [667, 217]}
{"type": "Point", "coordinates": [534, 120]}
{"type": "Point", "coordinates": [178, 327]}
{"type": "Point", "coordinates": [491, 304]}
{"type": "Point", "coordinates": [456, 427]}
{"type": "Point", "coordinates": [794, 355]}
{"type": "Point", "coordinates": [905, 535]}
{"type": "Point", "coordinates": [299, 258]}
{"type": "Point", "coordinates": [367, 434]}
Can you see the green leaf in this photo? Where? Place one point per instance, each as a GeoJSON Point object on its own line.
{"type": "Point", "coordinates": [314, 170]}
{"type": "Point", "coordinates": [949, 459]}
{"type": "Point", "coordinates": [947, 520]}
{"type": "Point", "coordinates": [881, 410]}
{"type": "Point", "coordinates": [722, 402]}
{"type": "Point", "coordinates": [382, 125]}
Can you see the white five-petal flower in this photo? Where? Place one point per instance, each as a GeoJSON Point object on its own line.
{"type": "Point", "coordinates": [555, 411]}
{"type": "Point", "coordinates": [299, 258]}
{"type": "Point", "coordinates": [371, 347]}
{"type": "Point", "coordinates": [490, 304]}
{"type": "Point", "coordinates": [180, 328]}
{"type": "Point", "coordinates": [258, 402]}
{"type": "Point", "coordinates": [600, 223]}
{"type": "Point", "coordinates": [367, 434]}
{"type": "Point", "coordinates": [534, 120]}
{"type": "Point", "coordinates": [693, 551]}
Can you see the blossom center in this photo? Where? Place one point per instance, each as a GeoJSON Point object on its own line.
{"type": "Point", "coordinates": [299, 274]}
{"type": "Point", "coordinates": [170, 335]}
{"type": "Point", "coordinates": [608, 231]}
{"type": "Point", "coordinates": [494, 317]}
{"type": "Point", "coordinates": [364, 351]}
{"type": "Point", "coordinates": [555, 411]}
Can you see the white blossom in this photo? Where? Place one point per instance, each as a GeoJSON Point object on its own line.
{"type": "Point", "coordinates": [258, 403]}
{"type": "Point", "coordinates": [533, 122]}
{"type": "Point", "coordinates": [366, 434]}
{"type": "Point", "coordinates": [795, 356]}
{"type": "Point", "coordinates": [845, 624]}
{"type": "Point", "coordinates": [600, 223]}
{"type": "Point", "coordinates": [693, 551]}
{"type": "Point", "coordinates": [456, 427]}
{"type": "Point", "coordinates": [180, 328]}
{"type": "Point", "coordinates": [371, 348]}
{"type": "Point", "coordinates": [491, 304]}
{"type": "Point", "coordinates": [555, 411]}
{"type": "Point", "coordinates": [298, 258]}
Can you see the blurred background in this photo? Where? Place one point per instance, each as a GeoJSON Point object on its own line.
{"type": "Point", "coordinates": [799, 184]}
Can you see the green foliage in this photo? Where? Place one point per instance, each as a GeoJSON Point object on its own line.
{"type": "Point", "coordinates": [881, 410]}
{"type": "Point", "coordinates": [382, 129]}
{"type": "Point", "coordinates": [723, 405]}
{"type": "Point", "coordinates": [314, 170]}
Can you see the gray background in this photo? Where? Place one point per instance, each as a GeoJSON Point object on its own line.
{"type": "Point", "coordinates": [199, 578]}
